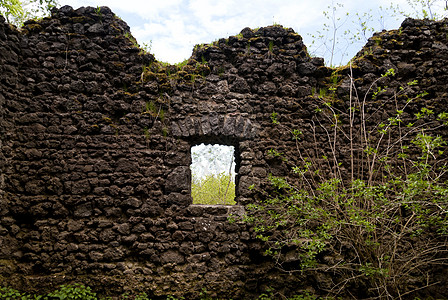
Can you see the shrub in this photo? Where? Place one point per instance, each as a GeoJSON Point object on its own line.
{"type": "Point", "coordinates": [73, 292]}
{"type": "Point", "coordinates": [381, 217]}
{"type": "Point", "coordinates": [8, 293]}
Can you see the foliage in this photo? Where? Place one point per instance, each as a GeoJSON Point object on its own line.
{"type": "Point", "coordinates": [66, 292]}
{"type": "Point", "coordinates": [213, 189]}
{"type": "Point", "coordinates": [379, 218]}
{"type": "Point", "coordinates": [73, 292]}
{"type": "Point", "coordinates": [11, 9]}
{"type": "Point", "coordinates": [426, 9]}
{"type": "Point", "coordinates": [10, 294]}
{"type": "Point", "coordinates": [145, 48]}
{"type": "Point", "coordinates": [142, 296]}
{"type": "Point", "coordinates": [341, 29]}
{"type": "Point", "coordinates": [16, 12]}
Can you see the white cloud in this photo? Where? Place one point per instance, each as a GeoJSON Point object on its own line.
{"type": "Point", "coordinates": [172, 38]}
{"type": "Point", "coordinates": [148, 29]}
{"type": "Point", "coordinates": [175, 26]}
{"type": "Point", "coordinates": [205, 10]}
{"type": "Point", "coordinates": [143, 8]}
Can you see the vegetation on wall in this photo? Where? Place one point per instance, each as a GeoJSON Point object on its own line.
{"type": "Point", "coordinates": [81, 292]}
{"type": "Point", "coordinates": [69, 292]}
{"type": "Point", "coordinates": [378, 218]}
{"type": "Point", "coordinates": [335, 42]}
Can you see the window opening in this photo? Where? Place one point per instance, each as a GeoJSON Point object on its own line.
{"type": "Point", "coordinates": [213, 174]}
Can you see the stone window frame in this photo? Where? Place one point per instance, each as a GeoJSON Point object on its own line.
{"type": "Point", "coordinates": [210, 127]}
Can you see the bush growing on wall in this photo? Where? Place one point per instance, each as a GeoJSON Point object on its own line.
{"type": "Point", "coordinates": [68, 292]}
{"type": "Point", "coordinates": [384, 219]}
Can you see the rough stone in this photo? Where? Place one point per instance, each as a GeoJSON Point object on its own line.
{"type": "Point", "coordinates": [94, 153]}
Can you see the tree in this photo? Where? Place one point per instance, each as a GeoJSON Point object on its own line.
{"type": "Point", "coordinates": [341, 29]}
{"type": "Point", "coordinates": [426, 9]}
{"type": "Point", "coordinates": [16, 12]}
{"type": "Point", "coordinates": [11, 9]}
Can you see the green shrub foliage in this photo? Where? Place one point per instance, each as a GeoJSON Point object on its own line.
{"type": "Point", "coordinates": [380, 218]}
{"type": "Point", "coordinates": [73, 292]}
{"type": "Point", "coordinates": [16, 12]}
{"type": "Point", "coordinates": [65, 292]}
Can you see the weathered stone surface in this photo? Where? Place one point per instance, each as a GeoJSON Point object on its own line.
{"type": "Point", "coordinates": [178, 180]}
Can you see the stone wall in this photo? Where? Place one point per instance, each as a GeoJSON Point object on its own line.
{"type": "Point", "coordinates": [96, 138]}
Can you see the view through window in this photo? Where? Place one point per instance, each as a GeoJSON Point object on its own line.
{"type": "Point", "coordinates": [213, 174]}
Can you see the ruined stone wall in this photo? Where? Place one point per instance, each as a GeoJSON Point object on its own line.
{"type": "Point", "coordinates": [96, 138]}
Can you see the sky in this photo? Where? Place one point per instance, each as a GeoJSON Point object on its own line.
{"type": "Point", "coordinates": [212, 159]}
{"type": "Point", "coordinates": [173, 27]}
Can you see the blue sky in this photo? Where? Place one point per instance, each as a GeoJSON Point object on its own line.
{"type": "Point", "coordinates": [173, 27]}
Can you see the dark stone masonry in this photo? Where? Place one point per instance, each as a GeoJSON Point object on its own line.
{"type": "Point", "coordinates": [96, 138]}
